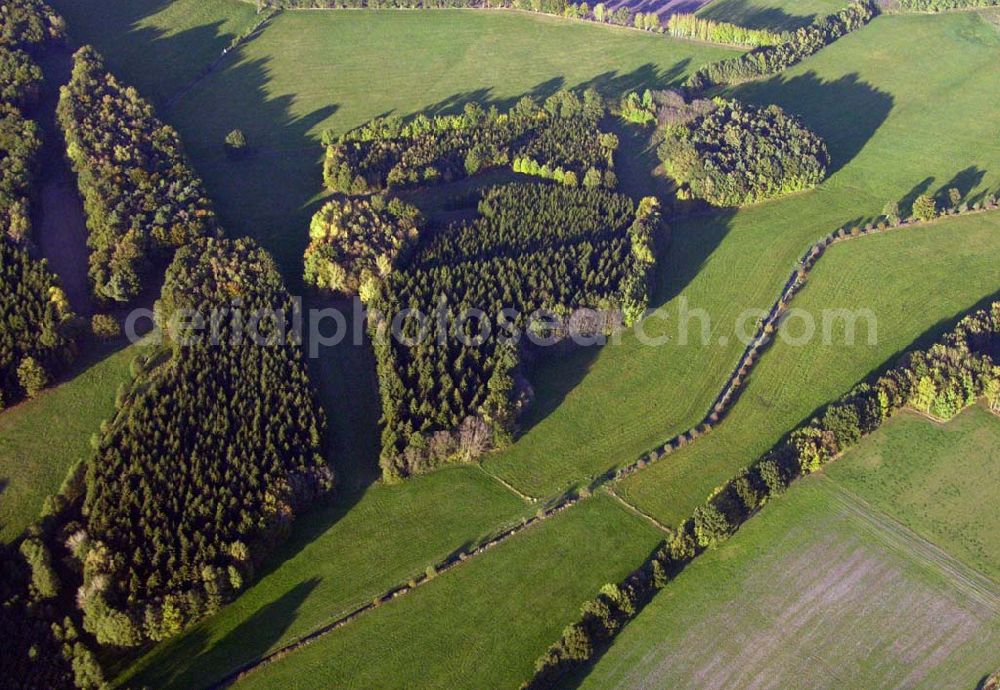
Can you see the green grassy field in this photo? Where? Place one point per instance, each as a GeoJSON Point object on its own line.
{"type": "Point", "coordinates": [160, 45]}
{"type": "Point", "coordinates": [915, 283]}
{"type": "Point", "coordinates": [820, 575]}
{"type": "Point", "coordinates": [41, 438]}
{"type": "Point", "coordinates": [483, 624]}
{"type": "Point", "coordinates": [879, 98]}
{"type": "Point", "coordinates": [939, 480]}
{"type": "Point", "coordinates": [337, 559]}
{"type": "Point", "coordinates": [780, 15]}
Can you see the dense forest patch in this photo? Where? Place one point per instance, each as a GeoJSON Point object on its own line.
{"type": "Point", "coordinates": [561, 135]}
{"type": "Point", "coordinates": [532, 249]}
{"type": "Point", "coordinates": [141, 197]}
{"type": "Point", "coordinates": [740, 154]}
{"type": "Point", "coordinates": [214, 449]}
{"type": "Point", "coordinates": [356, 241]}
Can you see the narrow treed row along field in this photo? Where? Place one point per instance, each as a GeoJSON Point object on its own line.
{"type": "Point", "coordinates": [893, 549]}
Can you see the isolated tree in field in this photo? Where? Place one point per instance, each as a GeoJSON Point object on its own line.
{"type": "Point", "coordinates": [236, 144]}
{"type": "Point", "coordinates": [924, 208]}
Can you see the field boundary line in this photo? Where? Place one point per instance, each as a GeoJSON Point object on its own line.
{"type": "Point", "coordinates": [635, 510]}
{"type": "Point", "coordinates": [909, 544]}
{"type": "Point", "coordinates": [507, 485]}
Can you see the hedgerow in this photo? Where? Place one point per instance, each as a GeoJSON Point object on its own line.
{"type": "Point", "coordinates": [771, 59]}
{"type": "Point", "coordinates": [962, 368]}
{"type": "Point", "coordinates": [533, 247]}
{"type": "Point", "coordinates": [214, 448]}
{"type": "Point", "coordinates": [740, 154]}
{"type": "Point", "coordinates": [141, 197]}
{"type": "Point", "coordinates": [941, 5]}
{"type": "Point", "coordinates": [385, 153]}
{"type": "Point", "coordinates": [686, 25]}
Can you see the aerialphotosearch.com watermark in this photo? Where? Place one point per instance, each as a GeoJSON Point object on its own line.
{"type": "Point", "coordinates": [676, 324]}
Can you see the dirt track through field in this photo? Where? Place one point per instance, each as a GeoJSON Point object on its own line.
{"type": "Point", "coordinates": [902, 540]}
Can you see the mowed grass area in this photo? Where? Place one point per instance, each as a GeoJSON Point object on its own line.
{"type": "Point", "coordinates": [483, 624]}
{"type": "Point", "coordinates": [905, 106]}
{"type": "Point", "coordinates": [939, 480]}
{"type": "Point", "coordinates": [337, 559]}
{"type": "Point", "coordinates": [40, 439]}
{"type": "Point", "coordinates": [159, 45]}
{"type": "Point", "coordinates": [901, 289]}
{"type": "Point", "coordinates": [823, 590]}
{"type": "Point", "coordinates": [779, 15]}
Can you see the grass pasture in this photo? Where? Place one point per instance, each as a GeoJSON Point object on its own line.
{"type": "Point", "coordinates": [926, 278]}
{"type": "Point", "coordinates": [820, 575]}
{"type": "Point", "coordinates": [937, 479]}
{"type": "Point", "coordinates": [40, 439]}
{"type": "Point", "coordinates": [483, 624]}
{"type": "Point", "coordinates": [337, 559]}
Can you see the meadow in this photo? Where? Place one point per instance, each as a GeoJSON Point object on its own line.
{"type": "Point", "coordinates": [937, 480]}
{"type": "Point", "coordinates": [824, 572]}
{"type": "Point", "coordinates": [40, 439]}
{"type": "Point", "coordinates": [482, 624]}
{"type": "Point", "coordinates": [914, 283]}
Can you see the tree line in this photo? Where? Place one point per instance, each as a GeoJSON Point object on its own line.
{"type": "Point", "coordinates": [686, 25]}
{"type": "Point", "coordinates": [941, 5]}
{"type": "Point", "coordinates": [141, 197]}
{"type": "Point", "coordinates": [36, 341]}
{"type": "Point", "coordinates": [770, 59]}
{"type": "Point", "coordinates": [961, 369]}
{"type": "Point", "coordinates": [448, 398]}
{"type": "Point", "coordinates": [739, 154]}
{"type": "Point", "coordinates": [560, 134]}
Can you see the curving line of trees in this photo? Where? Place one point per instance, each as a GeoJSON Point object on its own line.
{"type": "Point", "coordinates": [771, 59]}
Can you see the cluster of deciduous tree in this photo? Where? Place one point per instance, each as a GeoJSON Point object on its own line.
{"type": "Point", "coordinates": [667, 108]}
{"type": "Point", "coordinates": [940, 5]}
{"type": "Point", "coordinates": [962, 368]}
{"type": "Point", "coordinates": [27, 24]}
{"type": "Point", "coordinates": [770, 59]}
{"type": "Point", "coordinates": [355, 241]}
{"type": "Point", "coordinates": [35, 344]}
{"type": "Point", "coordinates": [386, 152]}
{"type": "Point", "coordinates": [19, 147]}
{"type": "Point", "coordinates": [20, 78]}
{"type": "Point", "coordinates": [141, 197]}
{"type": "Point", "coordinates": [739, 154]}
{"type": "Point", "coordinates": [213, 449]}
{"type": "Point", "coordinates": [449, 392]}
{"type": "Point", "coordinates": [685, 25]}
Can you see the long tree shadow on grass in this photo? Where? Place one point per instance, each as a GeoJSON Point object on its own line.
{"type": "Point", "coordinates": [751, 14]}
{"type": "Point", "coordinates": [255, 636]}
{"type": "Point", "coordinates": [845, 112]}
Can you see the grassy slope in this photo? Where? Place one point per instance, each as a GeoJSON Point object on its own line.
{"type": "Point", "coordinates": [790, 600]}
{"type": "Point", "coordinates": [483, 624]}
{"type": "Point", "coordinates": [907, 101]}
{"type": "Point", "coordinates": [915, 282]}
{"type": "Point", "coordinates": [780, 15]}
{"type": "Point", "coordinates": [41, 438]}
{"type": "Point", "coordinates": [940, 480]}
{"type": "Point", "coordinates": [337, 559]}
{"type": "Point", "coordinates": [159, 45]}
